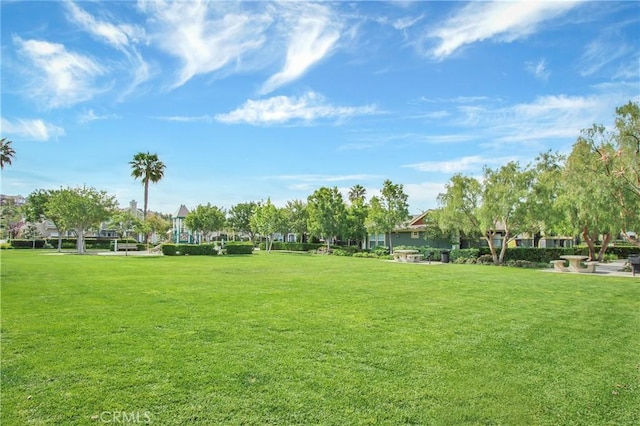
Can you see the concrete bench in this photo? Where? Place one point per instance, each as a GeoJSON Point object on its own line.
{"type": "Point", "coordinates": [590, 269]}
{"type": "Point", "coordinates": [558, 265]}
{"type": "Point", "coordinates": [127, 246]}
{"type": "Point", "coordinates": [414, 258]}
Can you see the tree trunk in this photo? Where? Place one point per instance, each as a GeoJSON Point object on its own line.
{"type": "Point", "coordinates": [390, 243]}
{"type": "Point", "coordinates": [59, 242]}
{"type": "Point", "coordinates": [632, 240]}
{"type": "Point", "coordinates": [80, 241]}
{"type": "Point", "coordinates": [590, 243]}
{"type": "Point", "coordinates": [492, 247]}
{"type": "Point", "coordinates": [605, 245]}
{"type": "Point", "coordinates": [144, 212]}
{"type": "Point", "coordinates": [503, 249]}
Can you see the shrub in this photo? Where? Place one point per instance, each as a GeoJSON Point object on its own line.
{"type": "Point", "coordinates": [169, 249]}
{"type": "Point", "coordinates": [485, 259]}
{"type": "Point", "coordinates": [472, 253]}
{"type": "Point", "coordinates": [341, 252]}
{"type": "Point", "coordinates": [381, 251]}
{"type": "Point", "coordinates": [5, 246]}
{"type": "Point", "coordinates": [238, 248]}
{"type": "Point", "coordinates": [26, 244]}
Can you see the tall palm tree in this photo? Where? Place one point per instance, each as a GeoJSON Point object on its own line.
{"type": "Point", "coordinates": [148, 167]}
{"type": "Point", "coordinates": [7, 154]}
{"type": "Point", "coordinates": [357, 192]}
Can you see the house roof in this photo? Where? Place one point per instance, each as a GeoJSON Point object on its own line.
{"type": "Point", "coordinates": [415, 222]}
{"type": "Point", "coordinates": [183, 211]}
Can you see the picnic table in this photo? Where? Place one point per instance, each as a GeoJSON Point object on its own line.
{"type": "Point", "coordinates": [407, 256]}
{"type": "Point", "coordinates": [575, 264]}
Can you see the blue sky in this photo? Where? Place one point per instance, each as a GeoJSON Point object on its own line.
{"type": "Point", "coordinates": [244, 101]}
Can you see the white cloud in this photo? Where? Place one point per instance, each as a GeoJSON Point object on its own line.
{"type": "Point", "coordinates": [123, 37]}
{"type": "Point", "coordinates": [313, 34]}
{"type": "Point", "coordinates": [423, 196]}
{"type": "Point", "coordinates": [600, 53]}
{"type": "Point", "coordinates": [187, 119]}
{"type": "Point", "coordinates": [58, 78]}
{"type": "Point", "coordinates": [204, 36]}
{"type": "Point", "coordinates": [457, 165]}
{"type": "Point", "coordinates": [404, 23]}
{"type": "Point", "coordinates": [281, 109]}
{"type": "Point", "coordinates": [538, 69]}
{"type": "Point", "coordinates": [32, 129]}
{"type": "Point", "coordinates": [502, 21]}
{"type": "Point", "coordinates": [327, 178]}
{"type": "Point", "coordinates": [90, 115]}
{"type": "Point", "coordinates": [119, 36]}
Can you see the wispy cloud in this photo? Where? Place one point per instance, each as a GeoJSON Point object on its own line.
{"type": "Point", "coordinates": [538, 69]}
{"type": "Point", "coordinates": [120, 36]}
{"type": "Point", "coordinates": [407, 22]}
{"type": "Point", "coordinates": [187, 119]}
{"type": "Point", "coordinates": [458, 165]}
{"type": "Point", "coordinates": [282, 109]}
{"type": "Point", "coordinates": [90, 115]}
{"type": "Point", "coordinates": [31, 129]}
{"type": "Point", "coordinates": [313, 32]}
{"type": "Point", "coordinates": [315, 178]}
{"type": "Point", "coordinates": [58, 77]}
{"type": "Point", "coordinates": [601, 53]}
{"type": "Point", "coordinates": [123, 37]}
{"type": "Point", "coordinates": [496, 20]}
{"type": "Point", "coordinates": [204, 36]}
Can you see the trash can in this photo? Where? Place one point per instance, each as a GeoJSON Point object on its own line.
{"type": "Point", "coordinates": [634, 262]}
{"type": "Point", "coordinates": [444, 256]}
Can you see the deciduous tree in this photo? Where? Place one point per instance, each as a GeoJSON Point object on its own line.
{"type": "Point", "coordinates": [80, 209]}
{"type": "Point", "coordinates": [239, 218]}
{"type": "Point", "coordinates": [389, 210]}
{"type": "Point", "coordinates": [204, 220]}
{"type": "Point", "coordinates": [267, 220]}
{"type": "Point", "coordinates": [327, 214]}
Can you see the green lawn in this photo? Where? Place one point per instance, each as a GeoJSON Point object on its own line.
{"type": "Point", "coordinates": [301, 339]}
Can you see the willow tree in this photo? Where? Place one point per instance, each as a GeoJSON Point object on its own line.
{"type": "Point", "coordinates": [619, 153]}
{"type": "Point", "coordinates": [494, 208]}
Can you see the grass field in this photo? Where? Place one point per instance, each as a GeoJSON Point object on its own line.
{"type": "Point", "coordinates": [301, 339]}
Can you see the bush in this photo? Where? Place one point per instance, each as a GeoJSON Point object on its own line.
{"type": "Point", "coordinates": [279, 245]}
{"type": "Point", "coordinates": [380, 251]}
{"type": "Point", "coordinates": [169, 249]}
{"type": "Point", "coordinates": [485, 259]}
{"type": "Point", "coordinates": [524, 264]}
{"type": "Point", "coordinates": [341, 252]}
{"type": "Point", "coordinates": [238, 248]}
{"type": "Point", "coordinates": [464, 254]}
{"type": "Point", "coordinates": [5, 246]}
{"type": "Point", "coordinates": [26, 244]}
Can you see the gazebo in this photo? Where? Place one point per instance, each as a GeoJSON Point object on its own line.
{"type": "Point", "coordinates": [180, 233]}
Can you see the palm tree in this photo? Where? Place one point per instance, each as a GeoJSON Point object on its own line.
{"type": "Point", "coordinates": [357, 192]}
{"type": "Point", "coordinates": [7, 154]}
{"type": "Point", "coordinates": [148, 167]}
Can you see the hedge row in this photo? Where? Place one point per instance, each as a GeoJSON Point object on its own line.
{"type": "Point", "coordinates": [206, 249]}
{"type": "Point", "coordinates": [69, 243]}
{"type": "Point", "coordinates": [279, 245]}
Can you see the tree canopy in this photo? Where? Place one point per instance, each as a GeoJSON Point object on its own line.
{"type": "Point", "coordinates": [80, 209]}
{"type": "Point", "coordinates": [326, 211]}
